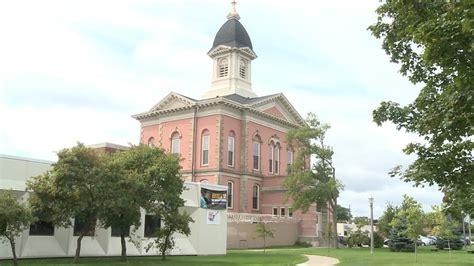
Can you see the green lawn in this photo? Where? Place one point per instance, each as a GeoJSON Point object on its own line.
{"type": "Point", "coordinates": [283, 256]}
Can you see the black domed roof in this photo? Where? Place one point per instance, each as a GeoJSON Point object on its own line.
{"type": "Point", "coordinates": [232, 34]}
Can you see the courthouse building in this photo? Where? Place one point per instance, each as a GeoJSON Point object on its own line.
{"type": "Point", "coordinates": [231, 136]}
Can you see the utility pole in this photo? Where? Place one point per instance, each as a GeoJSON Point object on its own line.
{"type": "Point", "coordinates": [371, 203]}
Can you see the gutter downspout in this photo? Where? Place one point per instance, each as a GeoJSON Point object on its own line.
{"type": "Point", "coordinates": [193, 155]}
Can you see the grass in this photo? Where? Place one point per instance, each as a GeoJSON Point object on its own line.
{"type": "Point", "coordinates": [283, 256]}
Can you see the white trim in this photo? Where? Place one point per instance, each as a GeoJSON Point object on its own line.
{"type": "Point", "coordinates": [258, 196]}
{"type": "Point", "coordinates": [232, 195]}
{"type": "Point", "coordinates": [203, 148]}
{"type": "Point", "coordinates": [273, 211]}
{"type": "Point", "coordinates": [233, 150]}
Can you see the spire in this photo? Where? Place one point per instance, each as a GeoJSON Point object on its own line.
{"type": "Point", "coordinates": [233, 13]}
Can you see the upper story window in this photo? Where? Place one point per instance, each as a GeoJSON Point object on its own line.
{"type": "Point", "coordinates": [290, 157]}
{"type": "Point", "coordinates": [243, 68]}
{"type": "Point", "coordinates": [175, 143]}
{"type": "Point", "coordinates": [223, 67]}
{"type": "Point", "coordinates": [256, 153]}
{"type": "Point", "coordinates": [255, 196]}
{"type": "Point", "coordinates": [151, 142]}
{"type": "Point", "coordinates": [205, 139]}
{"type": "Point", "coordinates": [277, 159]}
{"type": "Point", "coordinates": [230, 149]}
{"type": "Point", "coordinates": [270, 157]}
{"type": "Point", "coordinates": [230, 194]}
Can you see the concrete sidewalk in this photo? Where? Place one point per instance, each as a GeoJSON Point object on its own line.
{"type": "Point", "coordinates": [314, 260]}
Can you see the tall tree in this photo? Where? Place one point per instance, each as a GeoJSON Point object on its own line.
{"type": "Point", "coordinates": [317, 183]}
{"type": "Point", "coordinates": [14, 218]}
{"type": "Point", "coordinates": [343, 214]}
{"type": "Point", "coordinates": [432, 42]}
{"type": "Point", "coordinates": [161, 175]}
{"type": "Point", "coordinates": [123, 195]}
{"type": "Point", "coordinates": [72, 189]}
{"type": "Point", "coordinates": [409, 219]}
{"type": "Point", "coordinates": [386, 219]}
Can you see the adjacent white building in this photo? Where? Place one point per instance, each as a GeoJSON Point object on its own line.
{"type": "Point", "coordinates": [208, 232]}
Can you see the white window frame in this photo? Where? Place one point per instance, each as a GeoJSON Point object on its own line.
{"type": "Point", "coordinates": [271, 158]}
{"type": "Point", "coordinates": [231, 149]}
{"type": "Point", "coordinates": [258, 155]}
{"type": "Point", "coordinates": [290, 157]}
{"type": "Point", "coordinates": [203, 148]}
{"type": "Point", "coordinates": [276, 160]}
{"type": "Point", "coordinates": [273, 211]}
{"type": "Point", "coordinates": [258, 196]}
{"type": "Point", "coordinates": [290, 212]}
{"type": "Point", "coordinates": [175, 143]}
{"type": "Point", "coordinates": [231, 205]}
{"type": "Point", "coordinates": [282, 211]}
{"type": "Point", "coordinates": [150, 142]}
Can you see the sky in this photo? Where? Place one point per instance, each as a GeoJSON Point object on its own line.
{"type": "Point", "coordinates": [77, 70]}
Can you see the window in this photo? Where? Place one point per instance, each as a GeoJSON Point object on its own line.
{"type": "Point", "coordinates": [230, 194]}
{"type": "Point", "coordinates": [275, 211]}
{"type": "Point", "coordinates": [151, 142]}
{"type": "Point", "coordinates": [205, 148]}
{"type": "Point", "coordinates": [80, 225]}
{"type": "Point", "coordinates": [255, 197]}
{"type": "Point", "coordinates": [223, 67]}
{"type": "Point", "coordinates": [42, 228]}
{"type": "Point", "coordinates": [290, 157]}
{"type": "Point", "coordinates": [256, 155]}
{"type": "Point", "coordinates": [290, 212]}
{"type": "Point", "coordinates": [277, 159]}
{"type": "Point", "coordinates": [282, 211]}
{"type": "Point", "coordinates": [152, 224]}
{"type": "Point", "coordinates": [230, 149]}
{"type": "Point", "coordinates": [243, 68]}
{"type": "Point", "coordinates": [116, 231]}
{"type": "Point", "coordinates": [270, 158]}
{"type": "Point", "coordinates": [175, 143]}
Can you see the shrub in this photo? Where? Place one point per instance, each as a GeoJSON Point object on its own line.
{"type": "Point", "coordinates": [444, 243]}
{"type": "Point", "coordinates": [378, 240]}
{"type": "Point", "coordinates": [358, 239]}
{"type": "Point", "coordinates": [403, 244]}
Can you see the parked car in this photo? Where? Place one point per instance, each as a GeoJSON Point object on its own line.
{"type": "Point", "coordinates": [425, 241]}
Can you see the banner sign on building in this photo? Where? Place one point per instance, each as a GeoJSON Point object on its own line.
{"type": "Point", "coordinates": [213, 199]}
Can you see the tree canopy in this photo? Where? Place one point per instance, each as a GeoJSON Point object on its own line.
{"type": "Point", "coordinates": [312, 184]}
{"type": "Point", "coordinates": [14, 218]}
{"type": "Point", "coordinates": [432, 41]}
{"type": "Point", "coordinates": [343, 214]}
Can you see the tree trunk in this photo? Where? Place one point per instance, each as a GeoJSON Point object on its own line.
{"type": "Point", "coordinates": [124, 247]}
{"type": "Point", "coordinates": [78, 248]}
{"type": "Point", "coordinates": [334, 221]}
{"type": "Point", "coordinates": [264, 245]}
{"type": "Point", "coordinates": [324, 224]}
{"type": "Point", "coordinates": [415, 251]}
{"type": "Point", "coordinates": [163, 249]}
{"type": "Point", "coordinates": [12, 245]}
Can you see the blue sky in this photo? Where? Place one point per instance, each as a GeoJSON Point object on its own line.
{"type": "Point", "coordinates": [76, 70]}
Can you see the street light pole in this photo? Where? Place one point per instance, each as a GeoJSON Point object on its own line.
{"type": "Point", "coordinates": [371, 202]}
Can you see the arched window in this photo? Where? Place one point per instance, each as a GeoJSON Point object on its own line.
{"type": "Point", "coordinates": [230, 194]}
{"type": "Point", "coordinates": [277, 159]}
{"type": "Point", "coordinates": [230, 149]}
{"type": "Point", "coordinates": [175, 143]}
{"type": "Point", "coordinates": [151, 142]}
{"type": "Point", "coordinates": [256, 152]}
{"type": "Point", "coordinates": [205, 142]}
{"type": "Point", "coordinates": [255, 196]}
{"type": "Point", "coordinates": [270, 156]}
{"type": "Point", "coordinates": [223, 67]}
{"type": "Point", "coordinates": [243, 68]}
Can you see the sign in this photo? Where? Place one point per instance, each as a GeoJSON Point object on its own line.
{"type": "Point", "coordinates": [213, 199]}
{"type": "Point", "coordinates": [213, 217]}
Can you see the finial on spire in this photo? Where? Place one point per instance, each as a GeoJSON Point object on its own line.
{"type": "Point", "coordinates": [233, 12]}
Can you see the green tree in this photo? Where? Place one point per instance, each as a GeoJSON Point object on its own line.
{"type": "Point", "coordinates": [360, 221]}
{"type": "Point", "coordinates": [14, 218]}
{"type": "Point", "coordinates": [432, 42]}
{"type": "Point", "coordinates": [72, 189]}
{"type": "Point", "coordinates": [409, 219]}
{"type": "Point", "coordinates": [343, 214]}
{"type": "Point", "coordinates": [386, 219]}
{"type": "Point", "coordinates": [316, 184]}
{"type": "Point", "coordinates": [264, 233]}
{"type": "Point", "coordinates": [160, 173]}
{"type": "Point", "coordinates": [123, 193]}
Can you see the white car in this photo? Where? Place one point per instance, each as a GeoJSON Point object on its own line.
{"type": "Point", "coordinates": [426, 241]}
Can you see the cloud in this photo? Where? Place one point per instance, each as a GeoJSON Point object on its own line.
{"type": "Point", "coordinates": [76, 70]}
